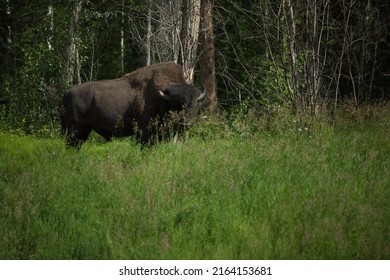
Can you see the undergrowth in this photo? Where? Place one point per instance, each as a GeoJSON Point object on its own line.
{"type": "Point", "coordinates": [237, 188]}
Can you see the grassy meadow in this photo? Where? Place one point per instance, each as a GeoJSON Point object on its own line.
{"type": "Point", "coordinates": [228, 192]}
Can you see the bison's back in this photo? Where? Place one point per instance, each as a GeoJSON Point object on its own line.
{"type": "Point", "coordinates": [108, 96]}
{"type": "Point", "coordinates": [156, 77]}
{"type": "Point", "coordinates": [100, 105]}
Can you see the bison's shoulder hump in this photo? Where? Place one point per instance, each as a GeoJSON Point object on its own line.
{"type": "Point", "coordinates": [168, 69]}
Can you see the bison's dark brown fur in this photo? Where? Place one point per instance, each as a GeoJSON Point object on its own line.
{"type": "Point", "coordinates": [126, 106]}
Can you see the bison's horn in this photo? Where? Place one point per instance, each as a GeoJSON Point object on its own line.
{"type": "Point", "coordinates": [203, 94]}
{"type": "Point", "coordinates": [163, 95]}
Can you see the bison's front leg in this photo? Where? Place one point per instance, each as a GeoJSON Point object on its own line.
{"type": "Point", "coordinates": [143, 136]}
{"type": "Point", "coordinates": [77, 135]}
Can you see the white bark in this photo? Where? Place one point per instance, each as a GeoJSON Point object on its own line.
{"type": "Point", "coordinates": [189, 37]}
{"type": "Point", "coordinates": [73, 67]}
{"type": "Point", "coordinates": [9, 35]}
{"type": "Point", "coordinates": [123, 39]}
{"type": "Point", "coordinates": [149, 34]}
{"type": "Point", "coordinates": [50, 14]}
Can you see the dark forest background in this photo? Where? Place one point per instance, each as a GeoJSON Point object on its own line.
{"type": "Point", "coordinates": [309, 56]}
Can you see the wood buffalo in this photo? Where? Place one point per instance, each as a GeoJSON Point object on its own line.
{"type": "Point", "coordinates": [128, 105]}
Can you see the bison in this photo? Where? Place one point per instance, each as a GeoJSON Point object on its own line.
{"type": "Point", "coordinates": [128, 105]}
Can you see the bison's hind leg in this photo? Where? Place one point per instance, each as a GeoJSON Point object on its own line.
{"type": "Point", "coordinates": [77, 135]}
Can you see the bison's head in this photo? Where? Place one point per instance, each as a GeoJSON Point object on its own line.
{"type": "Point", "coordinates": [183, 99]}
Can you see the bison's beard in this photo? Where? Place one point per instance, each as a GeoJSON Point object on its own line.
{"type": "Point", "coordinates": [171, 127]}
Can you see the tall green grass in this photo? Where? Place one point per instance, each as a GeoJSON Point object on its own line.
{"type": "Point", "coordinates": [318, 193]}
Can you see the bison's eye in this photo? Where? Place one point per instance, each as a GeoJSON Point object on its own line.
{"type": "Point", "coordinates": [175, 105]}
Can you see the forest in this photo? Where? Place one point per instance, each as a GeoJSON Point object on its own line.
{"type": "Point", "coordinates": [311, 57]}
{"type": "Point", "coordinates": [288, 160]}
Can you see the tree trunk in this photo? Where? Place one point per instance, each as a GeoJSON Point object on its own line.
{"type": "Point", "coordinates": [207, 55]}
{"type": "Point", "coordinates": [123, 38]}
{"type": "Point", "coordinates": [149, 34]}
{"type": "Point", "coordinates": [9, 31]}
{"type": "Point", "coordinates": [292, 39]}
{"type": "Point", "coordinates": [316, 22]}
{"type": "Point", "coordinates": [175, 27]}
{"type": "Point", "coordinates": [189, 37]}
{"type": "Point", "coordinates": [73, 66]}
{"type": "Point", "coordinates": [50, 15]}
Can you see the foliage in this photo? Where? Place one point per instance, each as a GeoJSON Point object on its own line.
{"type": "Point", "coordinates": [302, 52]}
{"type": "Point", "coordinates": [254, 49]}
{"type": "Point", "coordinates": [35, 46]}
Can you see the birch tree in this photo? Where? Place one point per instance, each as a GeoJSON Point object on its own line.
{"type": "Point", "coordinates": [171, 33]}
{"type": "Point", "coordinates": [50, 15]}
{"type": "Point", "coordinates": [189, 37]}
{"type": "Point", "coordinates": [73, 64]}
{"type": "Point", "coordinates": [9, 32]}
{"type": "Point", "coordinates": [158, 35]}
{"type": "Point", "coordinates": [123, 38]}
{"type": "Point", "coordinates": [148, 47]}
